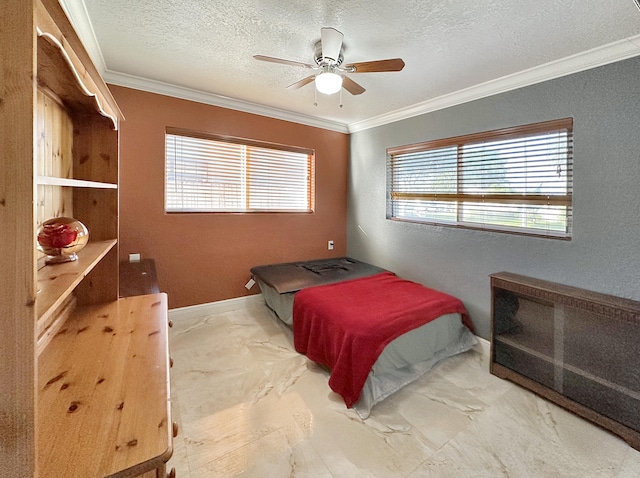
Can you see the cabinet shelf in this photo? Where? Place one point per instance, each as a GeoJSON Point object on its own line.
{"type": "Point", "coordinates": [512, 342]}
{"type": "Point", "coordinates": [524, 346]}
{"type": "Point", "coordinates": [56, 282]}
{"type": "Point", "coordinates": [73, 183]}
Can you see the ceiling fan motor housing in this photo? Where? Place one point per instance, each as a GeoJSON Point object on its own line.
{"type": "Point", "coordinates": [321, 60]}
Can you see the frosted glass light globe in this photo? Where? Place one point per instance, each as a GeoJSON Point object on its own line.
{"type": "Point", "coordinates": [328, 83]}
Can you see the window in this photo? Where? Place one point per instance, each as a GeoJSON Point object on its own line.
{"type": "Point", "coordinates": [209, 173]}
{"type": "Point", "coordinates": [511, 180]}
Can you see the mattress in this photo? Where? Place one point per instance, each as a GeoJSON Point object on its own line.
{"type": "Point", "coordinates": [403, 360]}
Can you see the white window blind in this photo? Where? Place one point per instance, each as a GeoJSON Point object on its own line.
{"type": "Point", "coordinates": [512, 180]}
{"type": "Point", "coordinates": [207, 173]}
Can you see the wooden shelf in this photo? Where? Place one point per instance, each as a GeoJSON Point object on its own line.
{"type": "Point", "coordinates": [73, 183]}
{"type": "Point", "coordinates": [517, 344]}
{"type": "Point", "coordinates": [538, 344]}
{"type": "Point", "coordinates": [524, 346]}
{"type": "Point", "coordinates": [56, 282]}
{"type": "Point", "coordinates": [103, 387]}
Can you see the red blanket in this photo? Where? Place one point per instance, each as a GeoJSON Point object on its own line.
{"type": "Point", "coordinates": [345, 326]}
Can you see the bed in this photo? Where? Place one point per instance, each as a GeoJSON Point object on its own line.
{"type": "Point", "coordinates": [375, 331]}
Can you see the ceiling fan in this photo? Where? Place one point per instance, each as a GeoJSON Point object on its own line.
{"type": "Point", "coordinates": [330, 72]}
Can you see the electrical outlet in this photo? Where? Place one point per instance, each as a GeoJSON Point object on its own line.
{"type": "Point", "coordinates": [330, 245]}
{"type": "Point", "coordinates": [134, 257]}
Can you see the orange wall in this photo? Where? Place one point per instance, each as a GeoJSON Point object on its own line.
{"type": "Point", "coordinates": [204, 258]}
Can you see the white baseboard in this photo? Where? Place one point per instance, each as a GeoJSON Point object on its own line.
{"type": "Point", "coordinates": [485, 345]}
{"type": "Point", "coordinates": [212, 308]}
{"type": "Point", "coordinates": [222, 306]}
{"type": "Point", "coordinates": [484, 342]}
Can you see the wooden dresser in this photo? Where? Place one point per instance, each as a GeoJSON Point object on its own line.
{"type": "Point", "coordinates": [103, 386]}
{"type": "Point", "coordinates": [138, 278]}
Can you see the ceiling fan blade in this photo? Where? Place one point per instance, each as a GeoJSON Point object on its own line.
{"type": "Point", "coordinates": [351, 86]}
{"type": "Point", "coordinates": [394, 64]}
{"type": "Point", "coordinates": [331, 43]}
{"type": "Point", "coordinates": [302, 82]}
{"type": "Point", "coordinates": [280, 60]}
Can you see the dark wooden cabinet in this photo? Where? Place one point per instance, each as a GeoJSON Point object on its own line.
{"type": "Point", "coordinates": [138, 278]}
{"type": "Point", "coordinates": [574, 347]}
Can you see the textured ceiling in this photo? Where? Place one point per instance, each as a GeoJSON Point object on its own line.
{"type": "Point", "coordinates": [447, 45]}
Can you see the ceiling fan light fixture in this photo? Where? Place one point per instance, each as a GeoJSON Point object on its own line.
{"type": "Point", "coordinates": [328, 68]}
{"type": "Point", "coordinates": [328, 82]}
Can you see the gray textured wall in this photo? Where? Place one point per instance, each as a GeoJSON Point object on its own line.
{"type": "Point", "coordinates": [604, 254]}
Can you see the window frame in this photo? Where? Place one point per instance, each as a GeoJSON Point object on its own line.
{"type": "Point", "coordinates": [234, 140]}
{"type": "Point", "coordinates": [515, 132]}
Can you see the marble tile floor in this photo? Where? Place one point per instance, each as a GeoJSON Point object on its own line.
{"type": "Point", "coordinates": [248, 405]}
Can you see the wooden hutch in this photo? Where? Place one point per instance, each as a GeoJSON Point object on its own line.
{"type": "Point", "coordinates": [84, 375]}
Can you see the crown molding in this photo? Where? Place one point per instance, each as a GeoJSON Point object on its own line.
{"type": "Point", "coordinates": [159, 87]}
{"type": "Point", "coordinates": [616, 51]}
{"type": "Point", "coordinates": [610, 53]}
{"type": "Point", "coordinates": [79, 17]}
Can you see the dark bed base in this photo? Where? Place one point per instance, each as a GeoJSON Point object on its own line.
{"type": "Point", "coordinates": [294, 276]}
